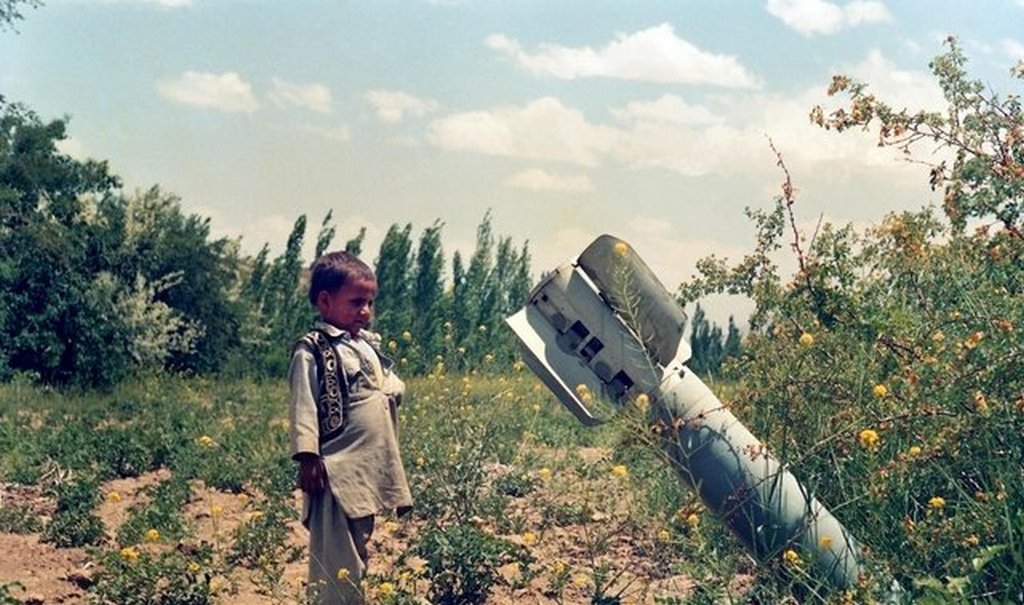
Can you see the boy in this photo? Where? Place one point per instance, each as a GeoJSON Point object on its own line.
{"type": "Point", "coordinates": [343, 396]}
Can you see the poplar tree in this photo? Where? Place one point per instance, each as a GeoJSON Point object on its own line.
{"type": "Point", "coordinates": [394, 284]}
{"type": "Point", "coordinates": [427, 296]}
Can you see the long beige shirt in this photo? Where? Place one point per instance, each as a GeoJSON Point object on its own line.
{"type": "Point", "coordinates": [364, 466]}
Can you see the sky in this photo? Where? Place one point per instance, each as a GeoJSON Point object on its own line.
{"type": "Point", "coordinates": [650, 120]}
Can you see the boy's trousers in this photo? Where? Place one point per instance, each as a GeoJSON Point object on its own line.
{"type": "Point", "coordinates": [336, 542]}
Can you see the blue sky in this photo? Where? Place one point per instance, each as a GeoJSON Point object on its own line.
{"type": "Point", "coordinates": [646, 119]}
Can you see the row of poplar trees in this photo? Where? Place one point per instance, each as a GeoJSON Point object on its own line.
{"type": "Point", "coordinates": [98, 284]}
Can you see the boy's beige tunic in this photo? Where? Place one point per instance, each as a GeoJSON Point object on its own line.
{"type": "Point", "coordinates": [364, 469]}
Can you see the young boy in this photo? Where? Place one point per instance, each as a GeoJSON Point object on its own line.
{"type": "Point", "coordinates": [343, 396]}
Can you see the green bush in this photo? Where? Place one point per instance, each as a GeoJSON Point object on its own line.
{"type": "Point", "coordinates": [888, 371]}
{"type": "Point", "coordinates": [462, 562]}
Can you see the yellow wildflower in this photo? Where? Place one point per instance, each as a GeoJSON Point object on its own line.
{"type": "Point", "coordinates": [536, 407]}
{"type": "Point", "coordinates": [343, 573]}
{"type": "Point", "coordinates": [980, 403]}
{"type": "Point", "coordinates": [193, 567]}
{"type": "Point", "coordinates": [973, 340]}
{"type": "Point", "coordinates": [205, 441]}
{"type": "Point", "coordinates": [152, 535]}
{"type": "Point", "coordinates": [392, 346]}
{"type": "Point", "coordinates": [580, 580]}
{"type": "Point", "coordinates": [938, 336]}
{"type": "Point", "coordinates": [642, 402]}
{"type": "Point", "coordinates": [880, 390]}
{"type": "Point", "coordinates": [128, 553]}
{"type": "Point", "coordinates": [937, 502]}
{"type": "Point", "coordinates": [114, 496]}
{"type": "Point", "coordinates": [558, 568]}
{"type": "Point", "coordinates": [869, 439]}
{"type": "Point", "coordinates": [620, 470]}
{"type": "Point", "coordinates": [914, 451]}
{"type": "Point", "coordinates": [544, 473]}
{"type": "Point", "coordinates": [664, 535]}
{"type": "Point", "coordinates": [693, 520]}
{"type": "Point", "coordinates": [792, 557]}
{"type": "Point", "coordinates": [216, 510]}
{"type": "Point", "coordinates": [529, 538]}
{"type": "Point", "coordinates": [584, 393]}
{"type": "Point", "coordinates": [390, 526]}
{"type": "Point", "coordinates": [407, 335]}
{"type": "Point", "coordinates": [806, 339]}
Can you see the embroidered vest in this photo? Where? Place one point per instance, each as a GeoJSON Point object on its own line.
{"type": "Point", "coordinates": [332, 402]}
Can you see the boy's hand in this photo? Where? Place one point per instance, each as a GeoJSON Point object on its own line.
{"type": "Point", "coordinates": [312, 474]}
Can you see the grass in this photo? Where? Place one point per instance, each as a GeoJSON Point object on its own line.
{"type": "Point", "coordinates": [514, 500]}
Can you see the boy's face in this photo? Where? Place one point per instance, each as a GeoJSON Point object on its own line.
{"type": "Point", "coordinates": [350, 307]}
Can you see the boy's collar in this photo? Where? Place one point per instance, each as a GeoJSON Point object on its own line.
{"type": "Point", "coordinates": [334, 331]}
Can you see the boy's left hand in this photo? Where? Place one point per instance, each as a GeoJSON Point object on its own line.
{"type": "Point", "coordinates": [312, 475]}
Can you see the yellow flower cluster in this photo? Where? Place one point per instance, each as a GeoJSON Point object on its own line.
{"type": "Point", "coordinates": [792, 557]}
{"type": "Point", "coordinates": [806, 339]}
{"type": "Point", "coordinates": [973, 340]}
{"type": "Point", "coordinates": [583, 392]}
{"type": "Point", "coordinates": [206, 441]}
{"type": "Point", "coordinates": [529, 538]}
{"type": "Point", "coordinates": [869, 439]}
{"type": "Point", "coordinates": [880, 390]}
{"type": "Point", "coordinates": [620, 470]}
{"type": "Point", "coordinates": [130, 554]}
{"type": "Point", "coordinates": [152, 535]}
{"type": "Point", "coordinates": [937, 502]}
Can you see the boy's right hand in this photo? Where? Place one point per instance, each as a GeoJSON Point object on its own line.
{"type": "Point", "coordinates": [312, 474]}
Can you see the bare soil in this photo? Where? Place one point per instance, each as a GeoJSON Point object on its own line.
{"type": "Point", "coordinates": [46, 574]}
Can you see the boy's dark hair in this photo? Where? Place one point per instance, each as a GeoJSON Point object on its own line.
{"type": "Point", "coordinates": [332, 270]}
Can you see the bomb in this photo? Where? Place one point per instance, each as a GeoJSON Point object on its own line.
{"type": "Point", "coordinates": [604, 328]}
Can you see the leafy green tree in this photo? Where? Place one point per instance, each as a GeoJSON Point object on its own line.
{"type": "Point", "coordinates": [354, 246]}
{"type": "Point", "coordinates": [394, 281]}
{"type": "Point", "coordinates": [50, 312]}
{"type": "Point", "coordinates": [160, 240]}
{"type": "Point", "coordinates": [428, 315]}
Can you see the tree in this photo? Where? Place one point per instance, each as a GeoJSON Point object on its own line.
{"type": "Point", "coordinates": [10, 11]}
{"type": "Point", "coordinates": [889, 365]}
{"type": "Point", "coordinates": [427, 296]}
{"type": "Point", "coordinates": [394, 281]}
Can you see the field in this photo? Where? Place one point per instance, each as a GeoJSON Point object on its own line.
{"type": "Point", "coordinates": [180, 491]}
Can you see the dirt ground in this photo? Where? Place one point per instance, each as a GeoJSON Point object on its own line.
{"type": "Point", "coordinates": [49, 575]}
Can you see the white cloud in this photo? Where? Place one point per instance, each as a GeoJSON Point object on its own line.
{"type": "Point", "coordinates": [655, 54]}
{"type": "Point", "coordinates": [669, 109]}
{"type": "Point", "coordinates": [900, 88]}
{"type": "Point", "coordinates": [542, 180]}
{"type": "Point", "coordinates": [225, 92]}
{"type": "Point", "coordinates": [314, 97]}
{"type": "Point", "coordinates": [542, 130]}
{"type": "Point", "coordinates": [811, 17]}
{"type": "Point", "coordinates": [1013, 49]}
{"type": "Point", "coordinates": [392, 105]}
